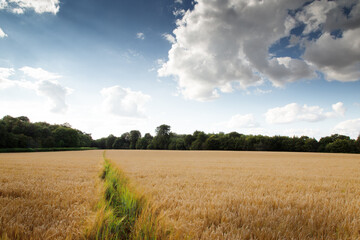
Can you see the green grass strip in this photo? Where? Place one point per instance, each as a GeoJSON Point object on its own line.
{"type": "Point", "coordinates": [124, 213]}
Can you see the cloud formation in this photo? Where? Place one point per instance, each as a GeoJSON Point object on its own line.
{"type": "Point", "coordinates": [39, 73]}
{"type": "Point", "coordinates": [124, 102]}
{"type": "Point", "coordinates": [140, 35]}
{"type": "Point", "coordinates": [349, 127]}
{"type": "Point", "coordinates": [39, 6]}
{"type": "Point", "coordinates": [293, 112]}
{"type": "Point", "coordinates": [2, 34]}
{"type": "Point", "coordinates": [45, 85]}
{"type": "Point", "coordinates": [170, 38]}
{"type": "Point", "coordinates": [337, 58]}
{"type": "Point", "coordinates": [242, 121]}
{"type": "Point", "coordinates": [220, 46]}
{"type": "Point", "coordinates": [56, 93]}
{"type": "Point", "coordinates": [5, 73]}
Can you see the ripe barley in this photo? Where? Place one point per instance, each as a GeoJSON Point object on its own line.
{"type": "Point", "coordinates": [47, 195]}
{"type": "Point", "coordinates": [250, 195]}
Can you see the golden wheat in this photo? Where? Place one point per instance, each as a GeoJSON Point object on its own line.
{"type": "Point", "coordinates": [250, 195]}
{"type": "Point", "coordinates": [47, 195]}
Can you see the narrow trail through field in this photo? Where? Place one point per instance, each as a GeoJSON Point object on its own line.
{"type": "Point", "coordinates": [123, 212]}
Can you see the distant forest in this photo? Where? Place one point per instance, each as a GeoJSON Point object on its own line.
{"type": "Point", "coordinates": [19, 132]}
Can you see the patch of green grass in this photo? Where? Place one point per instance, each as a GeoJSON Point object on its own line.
{"type": "Point", "coordinates": [125, 205]}
{"type": "Point", "coordinates": [124, 213]}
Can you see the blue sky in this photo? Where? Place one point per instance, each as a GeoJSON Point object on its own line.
{"type": "Point", "coordinates": [257, 67]}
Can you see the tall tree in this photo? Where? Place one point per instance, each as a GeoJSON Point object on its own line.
{"type": "Point", "coordinates": [66, 137]}
{"type": "Point", "coordinates": [162, 139]}
{"type": "Point", "coordinates": [135, 135]}
{"type": "Point", "coordinates": [199, 143]}
{"type": "Point", "coordinates": [110, 141]}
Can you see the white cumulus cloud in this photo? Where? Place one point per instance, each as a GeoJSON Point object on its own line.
{"type": "Point", "coordinates": [326, 16]}
{"type": "Point", "coordinates": [39, 73]}
{"type": "Point", "coordinates": [315, 14]}
{"type": "Point", "coordinates": [140, 35]}
{"type": "Point", "coordinates": [242, 121]}
{"type": "Point", "coordinates": [294, 112]}
{"type": "Point", "coordinates": [124, 102]}
{"type": "Point", "coordinates": [179, 12]}
{"type": "Point", "coordinates": [5, 73]}
{"type": "Point", "coordinates": [219, 46]}
{"type": "Point", "coordinates": [339, 108]}
{"type": "Point", "coordinates": [56, 94]}
{"type": "Point", "coordinates": [337, 58]}
{"type": "Point", "coordinates": [39, 6]}
{"type": "Point", "coordinates": [45, 84]}
{"type": "Point", "coordinates": [2, 34]}
{"type": "Point", "coordinates": [170, 38]}
{"type": "Point", "coordinates": [349, 127]}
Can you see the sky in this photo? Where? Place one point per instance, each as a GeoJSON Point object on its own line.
{"type": "Point", "coordinates": [274, 67]}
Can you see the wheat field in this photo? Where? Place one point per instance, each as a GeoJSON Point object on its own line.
{"type": "Point", "coordinates": [250, 195]}
{"type": "Point", "coordinates": [47, 195]}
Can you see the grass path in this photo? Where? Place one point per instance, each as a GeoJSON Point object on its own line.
{"type": "Point", "coordinates": [123, 212]}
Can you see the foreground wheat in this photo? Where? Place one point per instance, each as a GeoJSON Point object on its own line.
{"type": "Point", "coordinates": [250, 195]}
{"type": "Point", "coordinates": [47, 195]}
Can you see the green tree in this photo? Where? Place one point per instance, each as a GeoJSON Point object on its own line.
{"type": "Point", "coordinates": [324, 141]}
{"type": "Point", "coordinates": [228, 141]}
{"type": "Point", "coordinates": [188, 140]}
{"type": "Point", "coordinates": [122, 142]}
{"type": "Point", "coordinates": [212, 143]}
{"type": "Point", "coordinates": [162, 139]}
{"type": "Point", "coordinates": [180, 144]}
{"type": "Point", "coordinates": [110, 141]}
{"type": "Point", "coordinates": [125, 138]}
{"type": "Point", "coordinates": [100, 143]}
{"type": "Point", "coordinates": [144, 142]}
{"type": "Point", "coordinates": [311, 145]}
{"type": "Point", "coordinates": [85, 139]}
{"type": "Point", "coordinates": [66, 137]}
{"type": "Point", "coordinates": [118, 143]}
{"type": "Point", "coordinates": [3, 134]}
{"type": "Point", "coordinates": [341, 145]}
{"type": "Point", "coordinates": [24, 141]}
{"type": "Point", "coordinates": [172, 144]}
{"type": "Point", "coordinates": [9, 123]}
{"type": "Point", "coordinates": [200, 139]}
{"type": "Point", "coordinates": [135, 135]}
{"type": "Point", "coordinates": [240, 143]}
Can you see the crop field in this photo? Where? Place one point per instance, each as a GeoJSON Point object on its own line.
{"type": "Point", "coordinates": [249, 195]}
{"type": "Point", "coordinates": [196, 194]}
{"type": "Point", "coordinates": [47, 195]}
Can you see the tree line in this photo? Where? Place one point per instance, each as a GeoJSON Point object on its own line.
{"type": "Point", "coordinates": [234, 141]}
{"type": "Point", "coordinates": [19, 132]}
